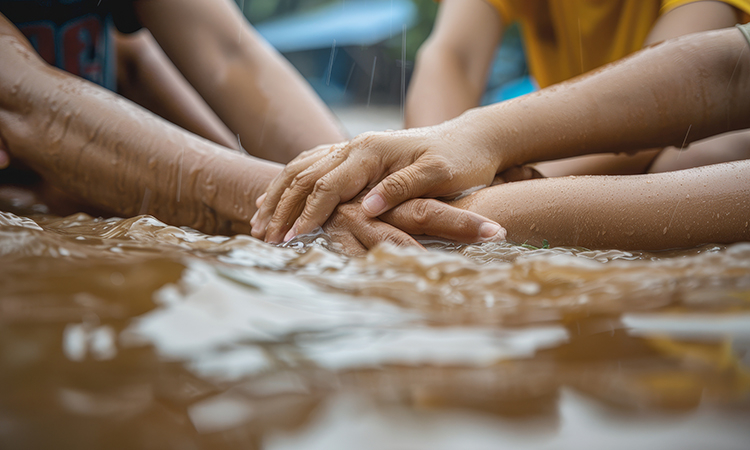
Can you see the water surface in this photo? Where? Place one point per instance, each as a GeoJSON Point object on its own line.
{"type": "Point", "coordinates": [128, 333]}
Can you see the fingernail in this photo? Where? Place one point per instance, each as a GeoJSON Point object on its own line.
{"type": "Point", "coordinates": [374, 204]}
{"type": "Point", "coordinates": [291, 234]}
{"type": "Point", "coordinates": [490, 230]}
{"type": "Point", "coordinates": [259, 201]}
{"type": "Point", "coordinates": [255, 217]}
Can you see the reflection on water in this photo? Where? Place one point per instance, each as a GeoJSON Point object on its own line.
{"type": "Point", "coordinates": [124, 334]}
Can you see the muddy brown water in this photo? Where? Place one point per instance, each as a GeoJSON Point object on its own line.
{"type": "Point", "coordinates": [131, 334]}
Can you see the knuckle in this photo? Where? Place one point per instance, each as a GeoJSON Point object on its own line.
{"type": "Point", "coordinates": [440, 168]}
{"type": "Point", "coordinates": [342, 217]}
{"type": "Point", "coordinates": [422, 214]}
{"type": "Point", "coordinates": [397, 185]}
{"type": "Point", "coordinates": [400, 240]}
{"type": "Point", "coordinates": [323, 187]}
{"type": "Point", "coordinates": [365, 139]}
{"type": "Point", "coordinates": [291, 171]}
{"type": "Point", "coordinates": [302, 180]}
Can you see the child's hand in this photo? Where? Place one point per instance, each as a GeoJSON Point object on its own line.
{"type": "Point", "coordinates": [441, 161]}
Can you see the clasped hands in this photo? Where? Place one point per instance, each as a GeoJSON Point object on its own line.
{"type": "Point", "coordinates": [378, 181]}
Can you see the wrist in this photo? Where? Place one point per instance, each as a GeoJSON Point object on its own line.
{"type": "Point", "coordinates": [228, 189]}
{"type": "Point", "coordinates": [495, 133]}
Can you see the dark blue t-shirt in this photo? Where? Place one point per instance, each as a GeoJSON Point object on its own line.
{"type": "Point", "coordinates": [74, 35]}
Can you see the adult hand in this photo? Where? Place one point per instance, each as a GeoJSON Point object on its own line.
{"type": "Point", "coordinates": [440, 161]}
{"type": "Point", "coordinates": [357, 232]}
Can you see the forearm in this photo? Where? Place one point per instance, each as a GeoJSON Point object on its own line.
{"type": "Point", "coordinates": [251, 87]}
{"type": "Point", "coordinates": [650, 99]}
{"type": "Point", "coordinates": [646, 212]}
{"type": "Point", "coordinates": [115, 155]}
{"type": "Point", "coordinates": [440, 90]}
{"type": "Point", "coordinates": [147, 77]}
{"type": "Point", "coordinates": [452, 66]}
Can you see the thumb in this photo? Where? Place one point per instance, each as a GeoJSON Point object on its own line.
{"type": "Point", "coordinates": [417, 180]}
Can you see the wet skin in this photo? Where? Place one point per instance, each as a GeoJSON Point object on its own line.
{"type": "Point", "coordinates": [108, 152]}
{"type": "Point", "coordinates": [695, 83]}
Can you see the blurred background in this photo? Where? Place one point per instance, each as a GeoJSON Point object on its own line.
{"type": "Point", "coordinates": [359, 54]}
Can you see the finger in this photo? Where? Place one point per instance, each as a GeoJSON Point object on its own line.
{"type": "Point", "coordinates": [279, 184]}
{"type": "Point", "coordinates": [348, 219]}
{"type": "Point", "coordinates": [277, 187]}
{"type": "Point", "coordinates": [434, 218]}
{"type": "Point", "coordinates": [423, 178]}
{"type": "Point", "coordinates": [258, 204]}
{"type": "Point", "coordinates": [336, 187]}
{"type": "Point", "coordinates": [260, 200]}
{"type": "Point", "coordinates": [377, 231]}
{"type": "Point", "coordinates": [347, 243]}
{"type": "Point", "coordinates": [293, 200]}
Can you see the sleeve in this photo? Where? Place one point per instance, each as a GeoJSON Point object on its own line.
{"type": "Point", "coordinates": [742, 5]}
{"type": "Point", "coordinates": [124, 17]}
{"type": "Point", "coordinates": [505, 9]}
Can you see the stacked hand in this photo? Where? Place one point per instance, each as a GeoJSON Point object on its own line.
{"type": "Point", "coordinates": [440, 161]}
{"type": "Point", "coordinates": [349, 226]}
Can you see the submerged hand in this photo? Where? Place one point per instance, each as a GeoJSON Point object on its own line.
{"type": "Point", "coordinates": [440, 161]}
{"type": "Point", "coordinates": [350, 227]}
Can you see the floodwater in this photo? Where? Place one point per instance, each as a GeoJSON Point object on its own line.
{"type": "Point", "coordinates": [130, 334]}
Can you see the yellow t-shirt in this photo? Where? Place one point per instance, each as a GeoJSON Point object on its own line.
{"type": "Point", "coordinates": [565, 38]}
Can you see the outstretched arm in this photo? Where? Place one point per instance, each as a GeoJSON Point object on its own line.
{"type": "Point", "coordinates": [251, 87]}
{"type": "Point", "coordinates": [115, 155]}
{"type": "Point", "coordinates": [698, 83]}
{"type": "Point", "coordinates": [694, 17]}
{"type": "Point", "coordinates": [107, 151]}
{"type": "Point", "coordinates": [647, 212]}
{"type": "Point", "coordinates": [452, 65]}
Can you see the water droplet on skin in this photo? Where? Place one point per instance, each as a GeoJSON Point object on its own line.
{"type": "Point", "coordinates": [665, 230]}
